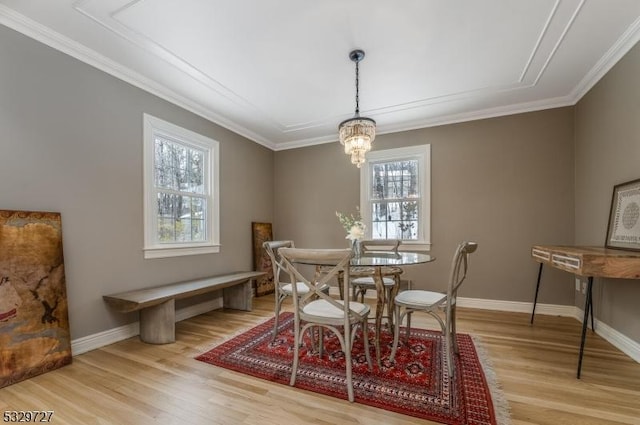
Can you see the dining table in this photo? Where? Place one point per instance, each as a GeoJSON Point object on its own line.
{"type": "Point", "coordinates": [376, 262]}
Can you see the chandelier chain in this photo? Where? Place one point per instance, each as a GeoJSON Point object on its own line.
{"type": "Point", "coordinates": [357, 87]}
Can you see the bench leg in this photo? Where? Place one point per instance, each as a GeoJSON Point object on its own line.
{"type": "Point", "coordinates": [238, 297]}
{"type": "Point", "coordinates": [158, 323]}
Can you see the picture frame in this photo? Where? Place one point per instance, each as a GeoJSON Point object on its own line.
{"type": "Point", "coordinates": [623, 229]}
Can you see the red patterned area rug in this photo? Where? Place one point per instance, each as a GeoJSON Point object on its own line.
{"type": "Point", "coordinates": [417, 384]}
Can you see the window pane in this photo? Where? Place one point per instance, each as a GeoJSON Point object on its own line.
{"type": "Point", "coordinates": [196, 171]}
{"type": "Point", "coordinates": [395, 194]}
{"type": "Point", "coordinates": [198, 217]}
{"type": "Point", "coordinates": [178, 167]}
{"type": "Point", "coordinates": [197, 230]}
{"type": "Point", "coordinates": [377, 186]}
{"type": "Point", "coordinates": [393, 211]}
{"type": "Point", "coordinates": [379, 230]}
{"type": "Point", "coordinates": [395, 180]}
{"type": "Point", "coordinates": [166, 230]}
{"type": "Point", "coordinates": [392, 230]}
{"type": "Point", "coordinates": [181, 218]}
{"type": "Point", "coordinates": [164, 170]}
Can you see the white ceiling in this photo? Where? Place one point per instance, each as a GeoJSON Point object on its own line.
{"type": "Point", "coordinates": [278, 71]}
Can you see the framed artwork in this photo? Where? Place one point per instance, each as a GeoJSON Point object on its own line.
{"type": "Point", "coordinates": [262, 232]}
{"type": "Point", "coordinates": [34, 322]}
{"type": "Point", "coordinates": [623, 231]}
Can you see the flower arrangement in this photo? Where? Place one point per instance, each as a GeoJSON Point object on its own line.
{"type": "Point", "coordinates": [353, 225]}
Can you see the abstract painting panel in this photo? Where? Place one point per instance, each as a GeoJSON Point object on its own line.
{"type": "Point", "coordinates": [34, 322]}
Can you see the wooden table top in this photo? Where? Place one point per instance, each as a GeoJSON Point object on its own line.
{"type": "Point", "coordinates": [594, 261]}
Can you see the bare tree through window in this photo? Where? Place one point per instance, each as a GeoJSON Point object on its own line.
{"type": "Point", "coordinates": [182, 203]}
{"type": "Point", "coordinates": [395, 200]}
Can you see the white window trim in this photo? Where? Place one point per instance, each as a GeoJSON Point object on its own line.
{"type": "Point", "coordinates": [153, 249]}
{"type": "Point", "coordinates": [423, 154]}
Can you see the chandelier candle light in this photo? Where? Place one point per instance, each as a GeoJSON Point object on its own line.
{"type": "Point", "coordinates": [357, 133]}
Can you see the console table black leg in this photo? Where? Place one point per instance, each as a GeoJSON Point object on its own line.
{"type": "Point", "coordinates": [593, 326]}
{"type": "Point", "coordinates": [535, 299]}
{"type": "Point", "coordinates": [587, 308]}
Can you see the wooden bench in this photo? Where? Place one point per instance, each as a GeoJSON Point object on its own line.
{"type": "Point", "coordinates": [157, 304]}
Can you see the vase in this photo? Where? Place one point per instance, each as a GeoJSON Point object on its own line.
{"type": "Point", "coordinates": [356, 248]}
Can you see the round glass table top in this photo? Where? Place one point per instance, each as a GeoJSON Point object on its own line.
{"type": "Point", "coordinates": [381, 258]}
{"type": "Point", "coordinates": [402, 258]}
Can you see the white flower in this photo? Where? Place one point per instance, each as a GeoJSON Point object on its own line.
{"type": "Point", "coordinates": [356, 232]}
{"type": "Point", "coordinates": [352, 224]}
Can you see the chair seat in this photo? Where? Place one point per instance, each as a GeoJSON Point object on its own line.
{"type": "Point", "coordinates": [419, 298]}
{"type": "Point", "coordinates": [368, 281]}
{"type": "Point", "coordinates": [323, 308]}
{"type": "Point", "coordinates": [301, 287]}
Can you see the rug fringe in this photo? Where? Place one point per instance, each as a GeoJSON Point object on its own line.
{"type": "Point", "coordinates": [500, 403]}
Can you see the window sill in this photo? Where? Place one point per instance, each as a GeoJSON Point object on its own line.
{"type": "Point", "coordinates": [414, 246]}
{"type": "Point", "coordinates": [166, 252]}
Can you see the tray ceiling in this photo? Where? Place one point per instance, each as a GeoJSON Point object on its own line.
{"type": "Point", "coordinates": [278, 72]}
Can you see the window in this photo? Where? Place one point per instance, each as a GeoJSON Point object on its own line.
{"type": "Point", "coordinates": [181, 209]}
{"type": "Point", "coordinates": [395, 195]}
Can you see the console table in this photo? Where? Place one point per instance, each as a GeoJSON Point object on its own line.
{"type": "Point", "coordinates": [589, 262]}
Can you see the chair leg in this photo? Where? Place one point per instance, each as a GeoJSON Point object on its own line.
{"type": "Point", "coordinates": [296, 352]}
{"type": "Point", "coordinates": [390, 303]}
{"type": "Point", "coordinates": [408, 330]}
{"type": "Point", "coordinates": [448, 354]}
{"type": "Point", "coordinates": [451, 345]}
{"type": "Point", "coordinates": [396, 333]}
{"type": "Point", "coordinates": [359, 293]}
{"type": "Point", "coordinates": [277, 317]}
{"type": "Point", "coordinates": [320, 341]}
{"type": "Point", "coordinates": [347, 360]}
{"type": "Point", "coordinates": [454, 338]}
{"type": "Point", "coordinates": [365, 336]}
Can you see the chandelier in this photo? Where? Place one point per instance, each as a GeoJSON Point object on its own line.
{"type": "Point", "coordinates": [357, 133]}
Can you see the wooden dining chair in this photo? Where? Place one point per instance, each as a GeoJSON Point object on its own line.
{"type": "Point", "coordinates": [316, 308]}
{"type": "Point", "coordinates": [361, 277]}
{"type": "Point", "coordinates": [435, 303]}
{"type": "Point", "coordinates": [282, 288]}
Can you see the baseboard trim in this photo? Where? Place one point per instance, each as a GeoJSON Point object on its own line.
{"type": "Point", "coordinates": [518, 307]}
{"type": "Point", "coordinates": [622, 342]}
{"type": "Point", "coordinates": [615, 338]}
{"type": "Point", "coordinates": [110, 336]}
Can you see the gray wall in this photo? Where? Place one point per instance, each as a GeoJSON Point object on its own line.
{"type": "Point", "coordinates": [72, 142]}
{"type": "Point", "coordinates": [507, 183]}
{"type": "Point", "coordinates": [608, 153]}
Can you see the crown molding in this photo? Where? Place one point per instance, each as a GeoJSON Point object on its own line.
{"type": "Point", "coordinates": [500, 111]}
{"type": "Point", "coordinates": [604, 65]}
{"type": "Point", "coordinates": [45, 35]}
{"type": "Point", "coordinates": [55, 40]}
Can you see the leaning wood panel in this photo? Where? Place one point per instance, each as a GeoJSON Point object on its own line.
{"type": "Point", "coordinates": [34, 322]}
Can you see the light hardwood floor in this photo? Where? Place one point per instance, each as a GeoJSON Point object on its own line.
{"type": "Point", "coordinates": [135, 383]}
